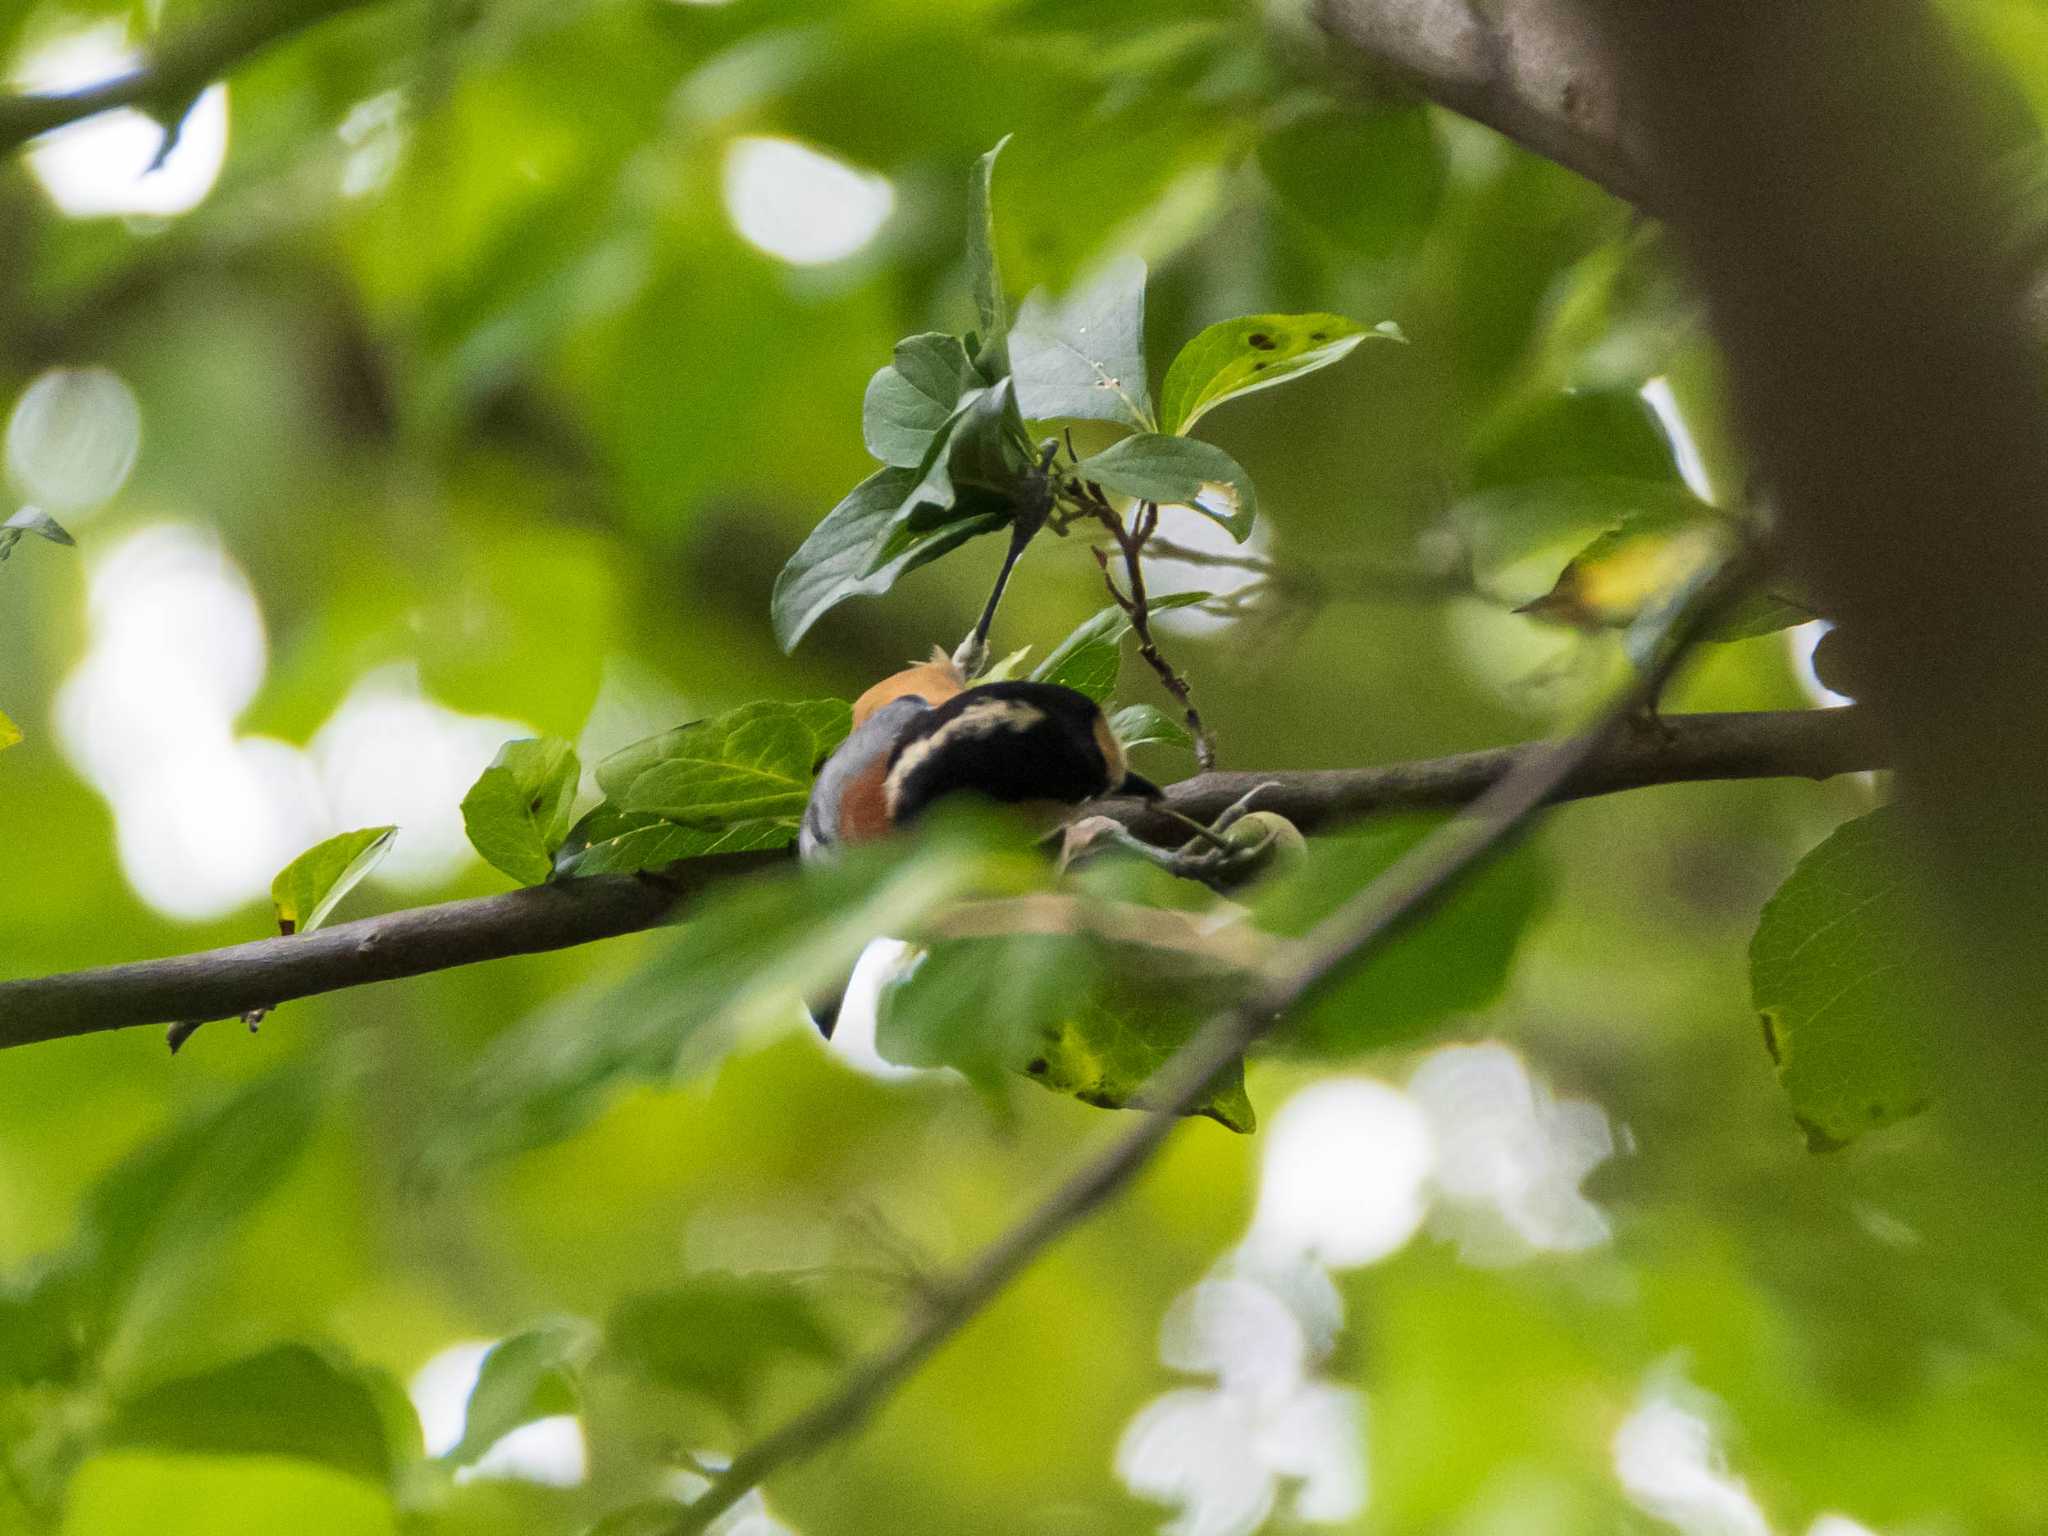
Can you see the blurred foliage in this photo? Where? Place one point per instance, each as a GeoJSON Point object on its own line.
{"type": "Point", "coordinates": [464, 363]}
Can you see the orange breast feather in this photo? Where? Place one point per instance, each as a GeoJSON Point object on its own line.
{"type": "Point", "coordinates": [863, 808]}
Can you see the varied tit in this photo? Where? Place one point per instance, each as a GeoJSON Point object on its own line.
{"type": "Point", "coordinates": [923, 734]}
{"type": "Point", "coordinates": [1038, 744]}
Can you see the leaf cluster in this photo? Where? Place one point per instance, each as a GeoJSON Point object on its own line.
{"type": "Point", "coordinates": [950, 418]}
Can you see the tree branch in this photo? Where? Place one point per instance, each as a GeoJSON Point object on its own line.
{"type": "Point", "coordinates": [1540, 72]}
{"type": "Point", "coordinates": [180, 67]}
{"type": "Point", "coordinates": [223, 983]}
{"type": "Point", "coordinates": [1539, 773]}
{"type": "Point", "coordinates": [1531, 70]}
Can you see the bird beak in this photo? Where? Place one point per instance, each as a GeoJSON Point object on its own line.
{"type": "Point", "coordinates": [1140, 786]}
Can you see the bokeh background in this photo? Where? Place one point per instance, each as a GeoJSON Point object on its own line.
{"type": "Point", "coordinates": [469, 369]}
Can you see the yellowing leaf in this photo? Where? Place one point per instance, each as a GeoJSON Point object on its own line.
{"type": "Point", "coordinates": [10, 733]}
{"type": "Point", "coordinates": [1608, 583]}
{"type": "Point", "coordinates": [1663, 538]}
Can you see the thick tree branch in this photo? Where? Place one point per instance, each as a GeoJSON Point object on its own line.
{"type": "Point", "coordinates": [1834, 176]}
{"type": "Point", "coordinates": [180, 66]}
{"type": "Point", "coordinates": [222, 983]}
{"type": "Point", "coordinates": [1541, 73]}
{"type": "Point", "coordinates": [1531, 70]}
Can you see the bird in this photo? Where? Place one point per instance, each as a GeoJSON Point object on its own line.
{"type": "Point", "coordinates": [924, 734]}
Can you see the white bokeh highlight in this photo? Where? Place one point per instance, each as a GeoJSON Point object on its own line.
{"type": "Point", "coordinates": [1670, 1465]}
{"type": "Point", "coordinates": [801, 206]}
{"type": "Point", "coordinates": [1510, 1157]}
{"type": "Point", "coordinates": [176, 650]}
{"type": "Point", "coordinates": [72, 441]}
{"type": "Point", "coordinates": [1685, 449]}
{"type": "Point", "coordinates": [391, 756]}
{"type": "Point", "coordinates": [205, 816]}
{"type": "Point", "coordinates": [549, 1450]}
{"type": "Point", "coordinates": [374, 134]}
{"type": "Point", "coordinates": [1345, 1177]}
{"type": "Point", "coordinates": [1475, 1150]}
{"type": "Point", "coordinates": [749, 1515]}
{"type": "Point", "coordinates": [107, 165]}
{"type": "Point", "coordinates": [1268, 1433]}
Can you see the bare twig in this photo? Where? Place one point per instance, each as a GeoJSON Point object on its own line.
{"type": "Point", "coordinates": [1339, 581]}
{"type": "Point", "coordinates": [223, 983]}
{"type": "Point", "coordinates": [1131, 540]}
{"type": "Point", "coordinates": [180, 66]}
{"type": "Point", "coordinates": [1334, 945]}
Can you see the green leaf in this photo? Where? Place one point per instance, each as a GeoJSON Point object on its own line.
{"type": "Point", "coordinates": [1177, 471]}
{"type": "Point", "coordinates": [531, 1375]}
{"type": "Point", "coordinates": [609, 841]}
{"type": "Point", "coordinates": [1085, 359]}
{"type": "Point", "coordinates": [289, 1400]}
{"type": "Point", "coordinates": [1371, 180]}
{"type": "Point", "coordinates": [912, 399]}
{"type": "Point", "coordinates": [1564, 435]}
{"type": "Point", "coordinates": [748, 764]}
{"type": "Point", "coordinates": [1075, 1013]}
{"type": "Point", "coordinates": [1455, 960]}
{"type": "Point", "coordinates": [155, 1223]}
{"type": "Point", "coordinates": [751, 952]}
{"type": "Point", "coordinates": [10, 733]}
{"type": "Point", "coordinates": [976, 464]}
{"type": "Point", "coordinates": [852, 552]}
{"type": "Point", "coordinates": [42, 1327]}
{"type": "Point", "coordinates": [1088, 659]}
{"type": "Point", "coordinates": [309, 888]}
{"type": "Point", "coordinates": [1007, 668]}
{"type": "Point", "coordinates": [1237, 357]}
{"type": "Point", "coordinates": [1833, 972]}
{"type": "Point", "coordinates": [1109, 1053]}
{"type": "Point", "coordinates": [718, 1335]}
{"type": "Point", "coordinates": [986, 273]}
{"type": "Point", "coordinates": [1146, 725]}
{"type": "Point", "coordinates": [31, 520]}
{"type": "Point", "coordinates": [648, 1517]}
{"type": "Point", "coordinates": [38, 522]}
{"type": "Point", "coordinates": [519, 810]}
{"type": "Point", "coordinates": [1760, 613]}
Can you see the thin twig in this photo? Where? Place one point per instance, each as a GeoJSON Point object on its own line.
{"type": "Point", "coordinates": [1346, 581]}
{"type": "Point", "coordinates": [223, 983]}
{"type": "Point", "coordinates": [1333, 946]}
{"type": "Point", "coordinates": [1131, 541]}
{"type": "Point", "coordinates": [180, 66]}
